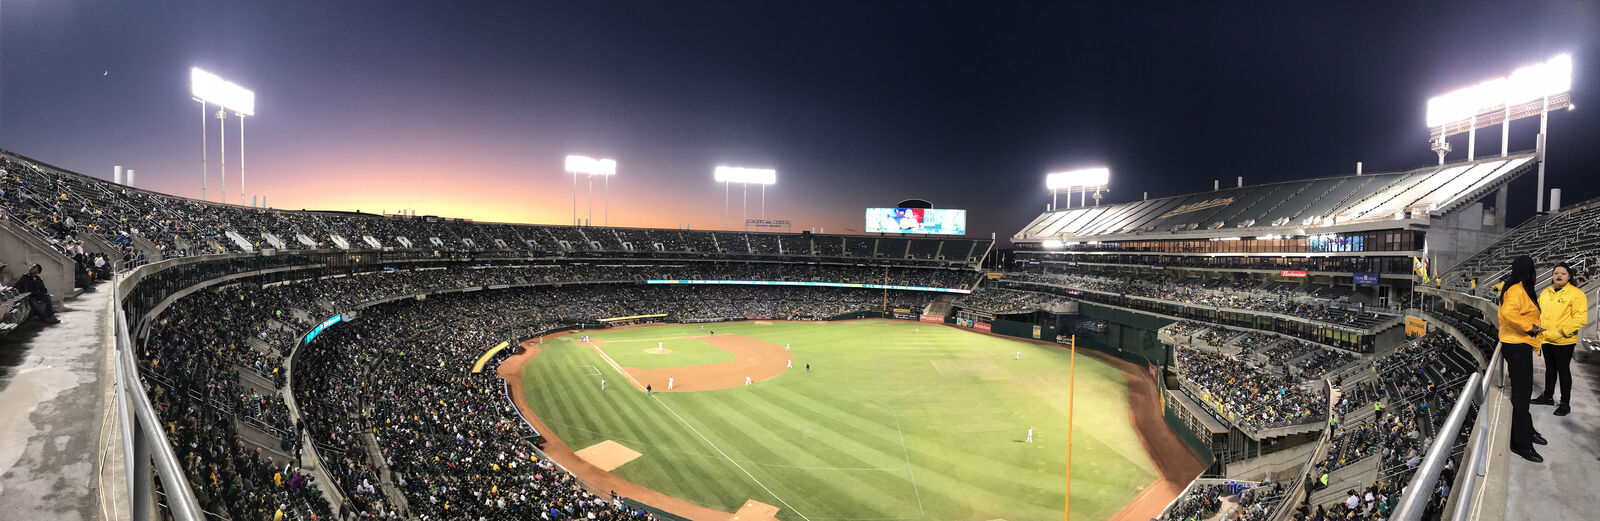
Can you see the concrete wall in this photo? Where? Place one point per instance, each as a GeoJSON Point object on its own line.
{"type": "Point", "coordinates": [20, 249]}
{"type": "Point", "coordinates": [1455, 237]}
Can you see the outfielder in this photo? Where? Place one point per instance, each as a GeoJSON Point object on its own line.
{"type": "Point", "coordinates": [1030, 434]}
{"type": "Point", "coordinates": [602, 384]}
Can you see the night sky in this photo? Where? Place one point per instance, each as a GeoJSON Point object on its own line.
{"type": "Point", "coordinates": [467, 110]}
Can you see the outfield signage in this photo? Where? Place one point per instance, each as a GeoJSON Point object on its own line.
{"type": "Point", "coordinates": [324, 325]}
{"type": "Point", "coordinates": [982, 326]}
{"type": "Point", "coordinates": [800, 283]}
{"type": "Point", "coordinates": [1366, 279]}
{"type": "Point", "coordinates": [1299, 274]}
{"type": "Point", "coordinates": [933, 318]}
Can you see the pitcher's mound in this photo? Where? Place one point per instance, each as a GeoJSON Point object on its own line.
{"type": "Point", "coordinates": [661, 351]}
{"type": "Point", "coordinates": [608, 455]}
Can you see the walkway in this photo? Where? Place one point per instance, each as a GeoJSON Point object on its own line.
{"type": "Point", "coordinates": [52, 408]}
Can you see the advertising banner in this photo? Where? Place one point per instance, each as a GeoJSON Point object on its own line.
{"type": "Point", "coordinates": [982, 326]}
{"type": "Point", "coordinates": [933, 318]}
{"type": "Point", "coordinates": [1366, 279]}
{"type": "Point", "coordinates": [1416, 326]}
{"type": "Point", "coordinates": [1036, 331]}
{"type": "Point", "coordinates": [916, 220]}
{"type": "Point", "coordinates": [1300, 274]}
{"type": "Point", "coordinates": [905, 316]}
{"type": "Point", "coordinates": [806, 283]}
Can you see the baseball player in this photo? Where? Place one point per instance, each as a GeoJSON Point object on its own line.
{"type": "Point", "coordinates": [747, 380]}
{"type": "Point", "coordinates": [602, 384]}
{"type": "Point", "coordinates": [669, 384]}
{"type": "Point", "coordinates": [1030, 434]}
{"type": "Point", "coordinates": [790, 364]}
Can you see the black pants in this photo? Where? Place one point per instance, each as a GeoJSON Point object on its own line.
{"type": "Point", "coordinates": [1558, 364]}
{"type": "Point", "coordinates": [42, 307]}
{"type": "Point", "coordinates": [1519, 365]}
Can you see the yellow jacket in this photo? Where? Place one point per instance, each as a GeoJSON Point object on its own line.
{"type": "Point", "coordinates": [1562, 312]}
{"type": "Point", "coordinates": [1518, 314]}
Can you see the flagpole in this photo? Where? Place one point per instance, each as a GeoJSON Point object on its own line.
{"type": "Point", "coordinates": [1072, 377]}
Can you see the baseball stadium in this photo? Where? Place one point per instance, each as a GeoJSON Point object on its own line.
{"type": "Point", "coordinates": [1325, 345]}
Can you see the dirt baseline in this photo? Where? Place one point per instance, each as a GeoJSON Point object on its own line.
{"type": "Point", "coordinates": [756, 359]}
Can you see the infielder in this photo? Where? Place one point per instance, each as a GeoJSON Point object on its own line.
{"type": "Point", "coordinates": [791, 364]}
{"type": "Point", "coordinates": [747, 380]}
{"type": "Point", "coordinates": [669, 384]}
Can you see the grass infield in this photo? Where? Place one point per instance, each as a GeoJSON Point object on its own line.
{"type": "Point", "coordinates": [890, 424]}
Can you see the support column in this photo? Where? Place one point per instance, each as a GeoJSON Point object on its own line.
{"type": "Point", "coordinates": [1500, 210]}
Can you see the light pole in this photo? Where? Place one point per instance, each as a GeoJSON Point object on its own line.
{"type": "Point", "coordinates": [590, 167]}
{"type": "Point", "coordinates": [204, 172]}
{"type": "Point", "coordinates": [1084, 179]}
{"type": "Point", "coordinates": [206, 87]}
{"type": "Point", "coordinates": [744, 176]}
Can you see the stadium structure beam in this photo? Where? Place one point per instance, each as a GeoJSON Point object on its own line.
{"type": "Point", "coordinates": [1528, 91]}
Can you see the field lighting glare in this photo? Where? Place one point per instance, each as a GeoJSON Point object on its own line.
{"type": "Point", "coordinates": [207, 87]}
{"type": "Point", "coordinates": [1053, 244]}
{"type": "Point", "coordinates": [591, 166]}
{"type": "Point", "coordinates": [738, 174]}
{"type": "Point", "coordinates": [1087, 177]}
{"type": "Point", "coordinates": [1525, 85]}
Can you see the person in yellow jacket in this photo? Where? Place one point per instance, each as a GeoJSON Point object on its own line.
{"type": "Point", "coordinates": [1519, 339]}
{"type": "Point", "coordinates": [1563, 310]}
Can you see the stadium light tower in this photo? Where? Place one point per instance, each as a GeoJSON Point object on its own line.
{"type": "Point", "coordinates": [209, 88]}
{"type": "Point", "coordinates": [1084, 180]}
{"type": "Point", "coordinates": [728, 175]}
{"type": "Point", "coordinates": [590, 167]}
{"type": "Point", "coordinates": [1534, 90]}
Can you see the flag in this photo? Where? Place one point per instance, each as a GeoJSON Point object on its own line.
{"type": "Point", "coordinates": [1419, 266]}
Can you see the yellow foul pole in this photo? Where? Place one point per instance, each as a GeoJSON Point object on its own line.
{"type": "Point", "coordinates": [1072, 392]}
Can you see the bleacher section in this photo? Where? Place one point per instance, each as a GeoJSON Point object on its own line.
{"type": "Point", "coordinates": [1286, 206]}
{"type": "Point", "coordinates": [41, 198]}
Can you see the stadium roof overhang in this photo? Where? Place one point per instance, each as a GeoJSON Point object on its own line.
{"type": "Point", "coordinates": [1344, 204]}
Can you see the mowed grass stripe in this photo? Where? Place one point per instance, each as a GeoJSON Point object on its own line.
{"type": "Point", "coordinates": [826, 492]}
{"type": "Point", "coordinates": [700, 483]}
{"type": "Point", "coordinates": [963, 424]}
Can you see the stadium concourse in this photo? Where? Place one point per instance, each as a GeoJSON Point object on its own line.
{"type": "Point", "coordinates": [1305, 358]}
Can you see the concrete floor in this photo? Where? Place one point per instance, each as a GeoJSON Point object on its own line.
{"type": "Point", "coordinates": [1561, 488]}
{"type": "Point", "coordinates": [51, 413]}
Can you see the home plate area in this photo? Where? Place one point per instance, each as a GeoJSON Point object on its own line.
{"type": "Point", "coordinates": [608, 455]}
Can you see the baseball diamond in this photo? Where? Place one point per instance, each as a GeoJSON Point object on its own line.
{"type": "Point", "coordinates": [890, 424]}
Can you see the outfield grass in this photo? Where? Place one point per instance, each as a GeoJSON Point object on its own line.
{"type": "Point", "coordinates": [891, 424]}
{"type": "Point", "coordinates": [683, 352]}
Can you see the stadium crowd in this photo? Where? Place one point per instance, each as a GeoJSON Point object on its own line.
{"type": "Point", "coordinates": [450, 445]}
{"type": "Point", "coordinates": [1229, 295]}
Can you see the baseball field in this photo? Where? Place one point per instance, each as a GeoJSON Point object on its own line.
{"type": "Point", "coordinates": [894, 420]}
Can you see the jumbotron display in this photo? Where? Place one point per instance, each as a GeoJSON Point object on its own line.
{"type": "Point", "coordinates": [917, 220]}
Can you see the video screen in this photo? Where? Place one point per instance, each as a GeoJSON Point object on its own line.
{"type": "Point", "coordinates": [917, 220]}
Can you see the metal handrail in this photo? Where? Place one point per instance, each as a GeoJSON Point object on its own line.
{"type": "Point", "coordinates": [150, 439]}
{"type": "Point", "coordinates": [1478, 465]}
{"type": "Point", "coordinates": [1420, 489]}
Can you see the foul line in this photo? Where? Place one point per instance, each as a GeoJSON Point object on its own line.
{"type": "Point", "coordinates": [913, 475]}
{"type": "Point", "coordinates": [730, 460]}
{"type": "Point", "coordinates": [615, 366]}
